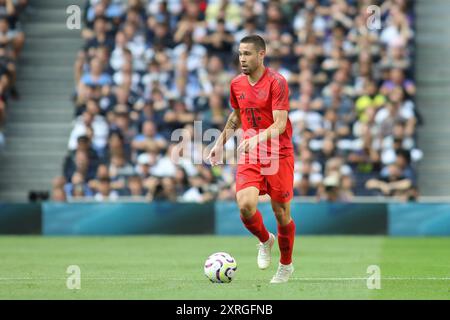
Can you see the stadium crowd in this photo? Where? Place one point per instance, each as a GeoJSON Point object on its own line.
{"type": "Point", "coordinates": [12, 39]}
{"type": "Point", "coordinates": [150, 67]}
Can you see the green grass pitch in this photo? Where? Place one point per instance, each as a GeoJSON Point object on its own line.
{"type": "Point", "coordinates": [171, 267]}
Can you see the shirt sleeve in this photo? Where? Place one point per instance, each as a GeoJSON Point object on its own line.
{"type": "Point", "coordinates": [233, 100]}
{"type": "Point", "coordinates": [280, 94]}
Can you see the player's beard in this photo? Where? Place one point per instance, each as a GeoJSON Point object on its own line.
{"type": "Point", "coordinates": [247, 70]}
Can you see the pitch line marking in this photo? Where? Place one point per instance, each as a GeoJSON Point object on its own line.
{"type": "Point", "coordinates": [186, 280]}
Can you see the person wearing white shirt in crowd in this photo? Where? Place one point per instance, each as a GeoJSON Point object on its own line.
{"type": "Point", "coordinates": [86, 124]}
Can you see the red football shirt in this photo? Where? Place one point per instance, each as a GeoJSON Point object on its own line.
{"type": "Point", "coordinates": [256, 103]}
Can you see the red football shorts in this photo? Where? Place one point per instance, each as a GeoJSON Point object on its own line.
{"type": "Point", "coordinates": [279, 184]}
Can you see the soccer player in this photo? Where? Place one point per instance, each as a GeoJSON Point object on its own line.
{"type": "Point", "coordinates": [259, 97]}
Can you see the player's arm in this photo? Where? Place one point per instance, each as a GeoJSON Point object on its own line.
{"type": "Point", "coordinates": [273, 131]}
{"type": "Point", "coordinates": [277, 128]}
{"type": "Point", "coordinates": [233, 123]}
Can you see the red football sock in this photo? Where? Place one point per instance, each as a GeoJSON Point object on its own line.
{"type": "Point", "coordinates": [286, 235]}
{"type": "Point", "coordinates": [255, 225]}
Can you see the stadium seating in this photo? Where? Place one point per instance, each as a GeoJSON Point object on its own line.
{"type": "Point", "coordinates": [150, 67]}
{"type": "Point", "coordinates": [12, 39]}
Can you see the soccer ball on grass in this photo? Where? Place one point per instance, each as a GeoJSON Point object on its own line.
{"type": "Point", "coordinates": [220, 267]}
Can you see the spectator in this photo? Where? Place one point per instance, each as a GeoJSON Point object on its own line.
{"type": "Point", "coordinates": [104, 8]}
{"type": "Point", "coordinates": [218, 42]}
{"type": "Point", "coordinates": [304, 187]}
{"type": "Point", "coordinates": [396, 57]}
{"type": "Point", "coordinates": [101, 173]}
{"type": "Point", "coordinates": [149, 140]}
{"type": "Point", "coordinates": [11, 39]}
{"type": "Point", "coordinates": [122, 124]}
{"type": "Point", "coordinates": [198, 191]}
{"type": "Point", "coordinates": [119, 170]}
{"type": "Point", "coordinates": [77, 187]}
{"type": "Point", "coordinates": [249, 27]}
{"type": "Point", "coordinates": [104, 191]}
{"type": "Point", "coordinates": [100, 36]}
{"type": "Point", "coordinates": [397, 28]}
{"type": "Point", "coordinates": [370, 99]}
{"type": "Point", "coordinates": [165, 190]}
{"type": "Point", "coordinates": [79, 163]}
{"type": "Point", "coordinates": [397, 79]}
{"type": "Point", "coordinates": [58, 182]}
{"type": "Point", "coordinates": [330, 189]}
{"type": "Point", "coordinates": [58, 195]}
{"type": "Point", "coordinates": [8, 75]}
{"type": "Point", "coordinates": [144, 162]}
{"type": "Point", "coordinates": [135, 187]}
{"type": "Point", "coordinates": [391, 183]}
{"type": "Point", "coordinates": [177, 117]}
{"type": "Point", "coordinates": [181, 180]}
{"type": "Point", "coordinates": [90, 124]}
{"type": "Point", "coordinates": [216, 115]}
{"type": "Point", "coordinates": [347, 186]}
{"type": "Point", "coordinates": [96, 76]}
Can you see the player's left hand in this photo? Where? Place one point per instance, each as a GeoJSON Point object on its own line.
{"type": "Point", "coordinates": [248, 144]}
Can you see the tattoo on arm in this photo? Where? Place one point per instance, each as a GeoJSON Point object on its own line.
{"type": "Point", "coordinates": [233, 121]}
{"type": "Point", "coordinates": [232, 124]}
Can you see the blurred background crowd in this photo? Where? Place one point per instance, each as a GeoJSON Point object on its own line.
{"type": "Point", "coordinates": [12, 39]}
{"type": "Point", "coordinates": [149, 67]}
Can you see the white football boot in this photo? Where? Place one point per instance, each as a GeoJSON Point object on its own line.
{"type": "Point", "coordinates": [264, 252]}
{"type": "Point", "coordinates": [283, 274]}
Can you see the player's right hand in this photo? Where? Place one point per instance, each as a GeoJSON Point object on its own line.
{"type": "Point", "coordinates": [215, 156]}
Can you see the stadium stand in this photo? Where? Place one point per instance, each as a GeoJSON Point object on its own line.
{"type": "Point", "coordinates": [12, 39]}
{"type": "Point", "coordinates": [38, 124]}
{"type": "Point", "coordinates": [149, 68]}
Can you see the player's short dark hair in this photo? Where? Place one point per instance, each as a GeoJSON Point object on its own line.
{"type": "Point", "coordinates": [258, 41]}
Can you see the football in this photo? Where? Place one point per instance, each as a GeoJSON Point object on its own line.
{"type": "Point", "coordinates": [220, 267]}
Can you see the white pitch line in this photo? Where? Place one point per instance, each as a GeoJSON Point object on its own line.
{"type": "Point", "coordinates": [385, 278]}
{"type": "Point", "coordinates": [186, 280]}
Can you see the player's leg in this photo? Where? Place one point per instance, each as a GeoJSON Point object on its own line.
{"type": "Point", "coordinates": [286, 230]}
{"type": "Point", "coordinates": [286, 236]}
{"type": "Point", "coordinates": [280, 188]}
{"type": "Point", "coordinates": [247, 200]}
